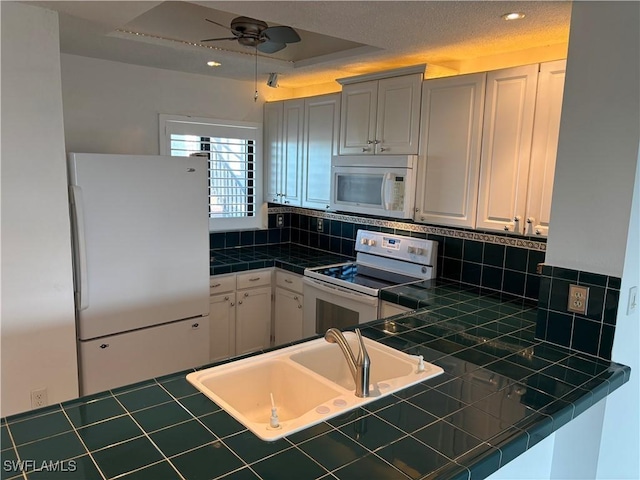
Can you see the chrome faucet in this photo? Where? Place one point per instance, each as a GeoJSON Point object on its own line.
{"type": "Point", "coordinates": [359, 367]}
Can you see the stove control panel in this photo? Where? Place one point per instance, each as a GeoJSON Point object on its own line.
{"type": "Point", "coordinates": [399, 247]}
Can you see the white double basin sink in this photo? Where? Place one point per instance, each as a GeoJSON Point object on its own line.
{"type": "Point", "coordinates": [306, 383]}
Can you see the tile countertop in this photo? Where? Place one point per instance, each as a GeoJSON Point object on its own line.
{"type": "Point", "coordinates": [288, 256]}
{"type": "Point", "coordinates": [501, 393]}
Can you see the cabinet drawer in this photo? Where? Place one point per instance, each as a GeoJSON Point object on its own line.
{"type": "Point", "coordinates": [255, 278]}
{"type": "Point", "coordinates": [222, 283]}
{"type": "Point", "coordinates": [288, 280]}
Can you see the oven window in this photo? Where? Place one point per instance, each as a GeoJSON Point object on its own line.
{"type": "Point", "coordinates": [330, 315]}
{"type": "Point", "coordinates": [361, 189]}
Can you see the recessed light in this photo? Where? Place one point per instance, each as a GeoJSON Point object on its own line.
{"type": "Point", "coordinates": [513, 16]}
{"type": "Point", "coordinates": [214, 64]}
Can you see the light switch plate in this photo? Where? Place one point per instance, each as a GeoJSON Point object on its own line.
{"type": "Point", "coordinates": [578, 297]}
{"type": "Point", "coordinates": [633, 300]}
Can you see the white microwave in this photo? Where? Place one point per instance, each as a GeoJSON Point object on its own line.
{"type": "Point", "coordinates": [374, 185]}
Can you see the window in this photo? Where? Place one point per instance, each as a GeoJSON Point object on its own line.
{"type": "Point", "coordinates": [234, 153]}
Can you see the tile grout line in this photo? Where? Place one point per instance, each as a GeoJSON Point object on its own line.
{"type": "Point", "coordinates": [84, 445]}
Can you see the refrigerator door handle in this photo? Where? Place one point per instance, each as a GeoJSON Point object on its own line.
{"type": "Point", "coordinates": [82, 288]}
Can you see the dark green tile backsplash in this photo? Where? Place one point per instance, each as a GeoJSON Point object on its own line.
{"type": "Point", "coordinates": [591, 333]}
{"type": "Point", "coordinates": [493, 261]}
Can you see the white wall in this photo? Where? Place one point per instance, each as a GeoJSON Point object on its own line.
{"type": "Point", "coordinates": [38, 326]}
{"type": "Point", "coordinates": [598, 144]}
{"type": "Point", "coordinates": [113, 107]}
{"type": "Point", "coordinates": [592, 227]}
{"type": "Point", "coordinates": [621, 433]}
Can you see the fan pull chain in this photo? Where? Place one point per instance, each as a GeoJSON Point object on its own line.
{"type": "Point", "coordinates": [255, 95]}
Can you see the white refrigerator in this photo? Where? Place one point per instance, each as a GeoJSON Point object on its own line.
{"type": "Point", "coordinates": [141, 261]}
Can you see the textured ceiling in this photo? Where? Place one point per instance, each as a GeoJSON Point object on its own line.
{"type": "Point", "coordinates": [339, 38]}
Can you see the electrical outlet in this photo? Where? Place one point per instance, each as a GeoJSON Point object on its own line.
{"type": "Point", "coordinates": [578, 297]}
{"type": "Point", "coordinates": [320, 225]}
{"type": "Point", "coordinates": [39, 398]}
{"type": "Point", "coordinates": [280, 220]}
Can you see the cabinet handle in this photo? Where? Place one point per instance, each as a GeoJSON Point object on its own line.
{"type": "Point", "coordinates": [516, 218]}
{"type": "Point", "coordinates": [365, 149]}
{"type": "Point", "coordinates": [287, 201]}
{"type": "Point", "coordinates": [506, 228]}
{"type": "Point", "coordinates": [195, 325]}
{"type": "Point", "coordinates": [232, 304]}
{"type": "Point", "coordinates": [538, 232]}
{"type": "Point", "coordinates": [246, 294]}
{"type": "Point", "coordinates": [327, 206]}
{"type": "Point", "coordinates": [104, 345]}
{"type": "Point", "coordinates": [376, 142]}
{"type": "Point", "coordinates": [530, 220]}
{"type": "Point", "coordinates": [369, 142]}
{"type": "Point", "coordinates": [295, 297]}
{"type": "Point", "coordinates": [299, 306]}
{"type": "Point", "coordinates": [216, 285]}
{"type": "Point", "coordinates": [226, 298]}
{"type": "Point", "coordinates": [382, 149]}
{"type": "Point", "coordinates": [254, 279]}
{"type": "Point", "coordinates": [275, 199]}
{"type": "Point", "coordinates": [288, 281]}
{"type": "Point", "coordinates": [240, 302]}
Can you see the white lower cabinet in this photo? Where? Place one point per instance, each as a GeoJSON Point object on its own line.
{"type": "Point", "coordinates": [289, 311]}
{"type": "Point", "coordinates": [240, 317]}
{"type": "Point", "coordinates": [222, 317]}
{"type": "Point", "coordinates": [288, 316]}
{"type": "Point", "coordinates": [253, 320]}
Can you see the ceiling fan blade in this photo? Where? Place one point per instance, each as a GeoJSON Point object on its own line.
{"type": "Point", "coordinates": [226, 27]}
{"type": "Point", "coordinates": [270, 47]}
{"type": "Point", "coordinates": [281, 34]}
{"type": "Point", "coordinates": [216, 39]}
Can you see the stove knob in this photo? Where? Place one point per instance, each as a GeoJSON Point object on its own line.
{"type": "Point", "coordinates": [372, 243]}
{"type": "Point", "coordinates": [419, 251]}
{"type": "Point", "coordinates": [411, 249]}
{"type": "Point", "coordinates": [364, 241]}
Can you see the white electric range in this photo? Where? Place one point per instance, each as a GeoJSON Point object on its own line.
{"type": "Point", "coordinates": [347, 294]}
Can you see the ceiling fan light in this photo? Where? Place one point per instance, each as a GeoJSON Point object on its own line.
{"type": "Point", "coordinates": [214, 64]}
{"type": "Point", "coordinates": [513, 16]}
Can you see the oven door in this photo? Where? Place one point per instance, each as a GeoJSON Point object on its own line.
{"type": "Point", "coordinates": [327, 305]}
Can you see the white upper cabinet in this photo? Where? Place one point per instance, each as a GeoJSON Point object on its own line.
{"type": "Point", "coordinates": [381, 116]}
{"type": "Point", "coordinates": [358, 118]}
{"type": "Point", "coordinates": [506, 148]}
{"type": "Point", "coordinates": [320, 142]}
{"type": "Point", "coordinates": [450, 146]}
{"type": "Point", "coordinates": [272, 138]}
{"type": "Point", "coordinates": [291, 172]}
{"type": "Point", "coordinates": [283, 123]}
{"type": "Point", "coordinates": [545, 146]}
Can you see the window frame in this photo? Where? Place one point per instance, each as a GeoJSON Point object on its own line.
{"type": "Point", "coordinates": [211, 127]}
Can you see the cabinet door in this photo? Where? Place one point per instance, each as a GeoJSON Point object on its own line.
{"type": "Point", "coordinates": [451, 139]}
{"type": "Point", "coordinates": [546, 128]}
{"type": "Point", "coordinates": [398, 115]}
{"type": "Point", "coordinates": [273, 116]}
{"type": "Point", "coordinates": [288, 316]}
{"type": "Point", "coordinates": [358, 118]}
{"type": "Point", "coordinates": [222, 326]}
{"type": "Point", "coordinates": [506, 148]}
{"type": "Point", "coordinates": [321, 129]}
{"type": "Point", "coordinates": [291, 174]}
{"type": "Point", "coordinates": [253, 320]}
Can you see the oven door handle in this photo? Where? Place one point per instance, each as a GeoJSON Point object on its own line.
{"type": "Point", "coordinates": [341, 292]}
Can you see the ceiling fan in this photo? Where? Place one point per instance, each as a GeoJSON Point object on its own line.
{"type": "Point", "coordinates": [256, 33]}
